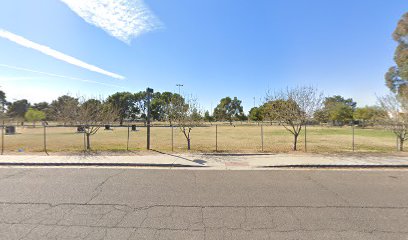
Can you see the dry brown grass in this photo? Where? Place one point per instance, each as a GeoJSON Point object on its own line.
{"type": "Point", "coordinates": [241, 138]}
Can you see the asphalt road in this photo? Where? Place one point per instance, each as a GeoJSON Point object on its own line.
{"type": "Point", "coordinates": [69, 203]}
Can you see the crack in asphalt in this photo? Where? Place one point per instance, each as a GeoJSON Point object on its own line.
{"type": "Point", "coordinates": [202, 206]}
{"type": "Point", "coordinates": [34, 226]}
{"type": "Point", "coordinates": [192, 225]}
{"type": "Point", "coordinates": [22, 173]}
{"type": "Point", "coordinates": [98, 189]}
{"type": "Point", "coordinates": [322, 186]}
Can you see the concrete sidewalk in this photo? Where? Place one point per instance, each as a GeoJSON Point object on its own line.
{"type": "Point", "coordinates": [213, 161]}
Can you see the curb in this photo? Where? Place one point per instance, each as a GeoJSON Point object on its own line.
{"type": "Point", "coordinates": [100, 165]}
{"type": "Point", "coordinates": [338, 166]}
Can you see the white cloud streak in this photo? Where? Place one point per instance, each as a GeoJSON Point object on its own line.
{"type": "Point", "coordinates": [55, 54]}
{"type": "Point", "coordinates": [51, 75]}
{"type": "Point", "coordinates": [122, 19]}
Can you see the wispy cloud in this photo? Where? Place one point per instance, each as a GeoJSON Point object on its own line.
{"type": "Point", "coordinates": [123, 19]}
{"type": "Point", "coordinates": [50, 75]}
{"type": "Point", "coordinates": [55, 54]}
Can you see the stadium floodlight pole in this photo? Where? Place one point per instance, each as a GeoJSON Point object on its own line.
{"type": "Point", "coordinates": [149, 92]}
{"type": "Point", "coordinates": [179, 86]}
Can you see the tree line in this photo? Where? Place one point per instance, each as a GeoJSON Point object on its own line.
{"type": "Point", "coordinates": [291, 108]}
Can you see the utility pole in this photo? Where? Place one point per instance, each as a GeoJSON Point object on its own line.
{"type": "Point", "coordinates": [149, 92]}
{"type": "Point", "coordinates": [179, 86]}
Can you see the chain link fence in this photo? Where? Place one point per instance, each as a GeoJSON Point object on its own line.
{"type": "Point", "coordinates": [207, 138]}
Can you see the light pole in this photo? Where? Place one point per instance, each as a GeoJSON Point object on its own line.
{"type": "Point", "coordinates": [179, 86]}
{"type": "Point", "coordinates": [149, 92]}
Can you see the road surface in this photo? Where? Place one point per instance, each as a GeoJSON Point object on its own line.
{"type": "Point", "coordinates": [102, 203]}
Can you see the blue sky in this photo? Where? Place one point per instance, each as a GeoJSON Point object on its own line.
{"type": "Point", "coordinates": [214, 48]}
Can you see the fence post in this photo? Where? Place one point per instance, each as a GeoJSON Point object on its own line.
{"type": "Point", "coordinates": [128, 135]}
{"type": "Point", "coordinates": [262, 138]}
{"type": "Point", "coordinates": [306, 136]}
{"type": "Point", "coordinates": [397, 143]}
{"type": "Point", "coordinates": [84, 142]}
{"type": "Point", "coordinates": [216, 137]}
{"type": "Point", "coordinates": [2, 138]}
{"type": "Point", "coordinates": [172, 138]}
{"type": "Point", "coordinates": [352, 126]}
{"type": "Point", "coordinates": [45, 139]}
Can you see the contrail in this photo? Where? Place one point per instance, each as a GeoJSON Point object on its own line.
{"type": "Point", "coordinates": [55, 54]}
{"type": "Point", "coordinates": [57, 75]}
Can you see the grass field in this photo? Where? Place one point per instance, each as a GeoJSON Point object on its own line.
{"type": "Point", "coordinates": [241, 138]}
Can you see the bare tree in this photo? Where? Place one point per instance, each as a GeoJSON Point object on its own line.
{"type": "Point", "coordinates": [187, 116]}
{"type": "Point", "coordinates": [292, 108]}
{"type": "Point", "coordinates": [92, 114]}
{"type": "Point", "coordinates": [396, 118]}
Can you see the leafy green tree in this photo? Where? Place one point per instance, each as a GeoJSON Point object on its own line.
{"type": "Point", "coordinates": [172, 100]}
{"type": "Point", "coordinates": [242, 117]}
{"type": "Point", "coordinates": [158, 106]}
{"type": "Point", "coordinates": [3, 105]}
{"type": "Point", "coordinates": [125, 103]}
{"type": "Point", "coordinates": [208, 117]}
{"type": "Point", "coordinates": [3, 102]}
{"type": "Point", "coordinates": [256, 114]}
{"type": "Point", "coordinates": [397, 76]}
{"type": "Point", "coordinates": [229, 110]}
{"type": "Point", "coordinates": [34, 115]}
{"type": "Point", "coordinates": [18, 108]}
{"type": "Point", "coordinates": [321, 116]}
{"type": "Point", "coordinates": [369, 115]}
{"type": "Point", "coordinates": [141, 104]}
{"type": "Point", "coordinates": [64, 109]}
{"type": "Point", "coordinates": [337, 110]}
{"type": "Point", "coordinates": [340, 113]}
{"type": "Point", "coordinates": [162, 105]}
{"type": "Point", "coordinates": [41, 106]}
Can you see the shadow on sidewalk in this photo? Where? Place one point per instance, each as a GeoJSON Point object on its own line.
{"type": "Point", "coordinates": [239, 154]}
{"type": "Point", "coordinates": [198, 161]}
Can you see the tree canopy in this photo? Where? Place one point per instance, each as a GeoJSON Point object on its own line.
{"type": "Point", "coordinates": [397, 76]}
{"type": "Point", "coordinates": [18, 108]}
{"type": "Point", "coordinates": [256, 114]}
{"type": "Point", "coordinates": [369, 115]}
{"type": "Point", "coordinates": [337, 110]}
{"type": "Point", "coordinates": [34, 115]}
{"type": "Point", "coordinates": [229, 110]}
{"type": "Point", "coordinates": [125, 102]}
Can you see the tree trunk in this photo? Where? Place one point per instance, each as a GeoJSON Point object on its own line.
{"type": "Point", "coordinates": [295, 142]}
{"type": "Point", "coordinates": [121, 122]}
{"type": "Point", "coordinates": [88, 142]}
{"type": "Point", "coordinates": [188, 144]}
{"type": "Point", "coordinates": [401, 146]}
